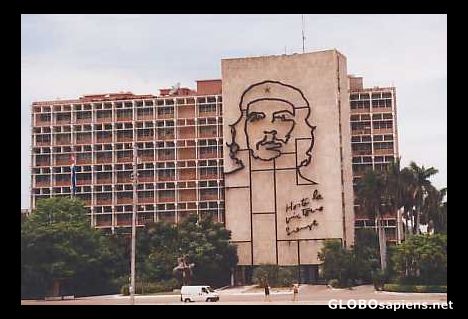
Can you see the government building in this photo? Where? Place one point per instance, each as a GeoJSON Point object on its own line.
{"type": "Point", "coordinates": [270, 150]}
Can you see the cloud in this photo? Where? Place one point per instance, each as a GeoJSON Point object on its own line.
{"type": "Point", "coordinates": [66, 56]}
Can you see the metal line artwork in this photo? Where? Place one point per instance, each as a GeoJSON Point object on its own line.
{"type": "Point", "coordinates": [269, 120]}
{"type": "Point", "coordinates": [274, 127]}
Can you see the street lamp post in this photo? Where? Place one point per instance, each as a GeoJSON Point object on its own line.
{"type": "Point", "coordinates": [134, 214]}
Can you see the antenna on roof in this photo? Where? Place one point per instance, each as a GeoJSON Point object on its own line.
{"type": "Point", "coordinates": [174, 88]}
{"type": "Point", "coordinates": [303, 37]}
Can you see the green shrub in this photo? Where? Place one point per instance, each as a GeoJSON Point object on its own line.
{"type": "Point", "coordinates": [287, 276]}
{"type": "Point", "coordinates": [150, 288]}
{"type": "Point", "coordinates": [379, 278]}
{"type": "Point", "coordinates": [422, 259]}
{"type": "Point", "coordinates": [414, 288]}
{"type": "Point", "coordinates": [335, 283]}
{"type": "Point", "coordinates": [274, 275]}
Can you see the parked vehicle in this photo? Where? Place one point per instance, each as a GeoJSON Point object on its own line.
{"type": "Point", "coordinates": [198, 293]}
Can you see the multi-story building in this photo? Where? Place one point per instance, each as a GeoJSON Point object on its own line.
{"type": "Point", "coordinates": [374, 142]}
{"type": "Point", "coordinates": [178, 137]}
{"type": "Point", "coordinates": [179, 140]}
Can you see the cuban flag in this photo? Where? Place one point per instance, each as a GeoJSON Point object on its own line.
{"type": "Point", "coordinates": [73, 174]}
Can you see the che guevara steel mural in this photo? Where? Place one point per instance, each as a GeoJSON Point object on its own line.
{"type": "Point", "coordinates": [275, 121]}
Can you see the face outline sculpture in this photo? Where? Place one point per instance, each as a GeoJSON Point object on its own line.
{"type": "Point", "coordinates": [268, 127]}
{"type": "Point", "coordinates": [273, 116]}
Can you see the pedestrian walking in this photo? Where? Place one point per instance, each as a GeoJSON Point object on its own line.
{"type": "Point", "coordinates": [295, 291]}
{"type": "Point", "coordinates": [267, 292]}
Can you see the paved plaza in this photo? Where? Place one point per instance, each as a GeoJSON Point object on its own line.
{"type": "Point", "coordinates": [250, 295]}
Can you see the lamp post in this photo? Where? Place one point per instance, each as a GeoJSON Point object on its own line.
{"type": "Point", "coordinates": [134, 214]}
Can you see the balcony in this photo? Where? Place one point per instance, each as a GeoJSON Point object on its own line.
{"type": "Point", "coordinates": [63, 161]}
{"type": "Point", "coordinates": [145, 200]}
{"type": "Point", "coordinates": [208, 196]}
{"type": "Point", "coordinates": [187, 174]}
{"type": "Point", "coordinates": [165, 137]}
{"type": "Point", "coordinates": [207, 134]}
{"type": "Point", "coordinates": [84, 160]}
{"type": "Point", "coordinates": [362, 152]}
{"type": "Point", "coordinates": [186, 133]}
{"type": "Point", "coordinates": [145, 179]}
{"type": "Point", "coordinates": [63, 121]}
{"type": "Point", "coordinates": [125, 200]}
{"type": "Point", "coordinates": [42, 143]}
{"type": "Point", "coordinates": [62, 183]}
{"type": "Point", "coordinates": [144, 117]}
{"type": "Point", "coordinates": [165, 115]}
{"type": "Point", "coordinates": [42, 184]}
{"type": "Point", "coordinates": [84, 120]}
{"type": "Point", "coordinates": [83, 182]}
{"type": "Point", "coordinates": [361, 110]}
{"type": "Point", "coordinates": [383, 131]}
{"type": "Point", "coordinates": [166, 178]}
{"type": "Point", "coordinates": [166, 199]}
{"type": "Point", "coordinates": [124, 138]}
{"type": "Point", "coordinates": [104, 181]}
{"type": "Point", "coordinates": [107, 201]}
{"type": "Point", "coordinates": [81, 141]}
{"type": "Point", "coordinates": [142, 138]}
{"type": "Point", "coordinates": [63, 141]}
{"type": "Point", "coordinates": [103, 223]}
{"type": "Point", "coordinates": [124, 179]}
{"type": "Point", "coordinates": [124, 221]}
{"type": "Point", "coordinates": [39, 122]}
{"type": "Point", "coordinates": [208, 155]}
{"type": "Point", "coordinates": [187, 195]}
{"type": "Point", "coordinates": [384, 151]}
{"type": "Point", "coordinates": [166, 157]}
{"type": "Point", "coordinates": [124, 159]}
{"type": "Point", "coordinates": [209, 176]}
{"type": "Point", "coordinates": [104, 160]}
{"type": "Point", "coordinates": [187, 153]}
{"type": "Point", "coordinates": [127, 118]}
{"type": "Point", "coordinates": [43, 163]}
{"type": "Point", "coordinates": [107, 119]}
{"type": "Point", "coordinates": [103, 139]}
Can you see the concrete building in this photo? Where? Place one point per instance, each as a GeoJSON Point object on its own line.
{"type": "Point", "coordinates": [178, 135]}
{"type": "Point", "coordinates": [287, 164]}
{"type": "Point", "coordinates": [374, 142]}
{"type": "Point", "coordinates": [269, 151]}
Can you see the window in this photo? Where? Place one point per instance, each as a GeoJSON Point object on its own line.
{"type": "Point", "coordinates": [165, 110]}
{"type": "Point", "coordinates": [207, 108]}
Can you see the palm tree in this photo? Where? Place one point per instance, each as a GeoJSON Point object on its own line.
{"type": "Point", "coordinates": [395, 185]}
{"type": "Point", "coordinates": [420, 188]}
{"type": "Point", "coordinates": [371, 192]}
{"type": "Point", "coordinates": [407, 185]}
{"type": "Point", "coordinates": [433, 212]}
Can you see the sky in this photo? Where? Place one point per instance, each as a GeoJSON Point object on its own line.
{"type": "Point", "coordinates": [67, 56]}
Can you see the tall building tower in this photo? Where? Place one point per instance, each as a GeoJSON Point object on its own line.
{"type": "Point", "coordinates": [374, 142]}
{"type": "Point", "coordinates": [178, 136]}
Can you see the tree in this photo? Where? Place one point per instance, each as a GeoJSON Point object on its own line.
{"type": "Point", "coordinates": [206, 244]}
{"type": "Point", "coordinates": [420, 188]}
{"type": "Point", "coordinates": [434, 210]}
{"type": "Point", "coordinates": [366, 253]}
{"type": "Point", "coordinates": [371, 193]}
{"type": "Point", "coordinates": [338, 263]}
{"type": "Point", "coordinates": [200, 241]}
{"type": "Point", "coordinates": [60, 251]}
{"type": "Point", "coordinates": [422, 259]}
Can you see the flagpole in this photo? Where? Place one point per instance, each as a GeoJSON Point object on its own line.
{"type": "Point", "coordinates": [132, 263]}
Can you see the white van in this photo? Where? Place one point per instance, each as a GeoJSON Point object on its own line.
{"type": "Point", "coordinates": [198, 293]}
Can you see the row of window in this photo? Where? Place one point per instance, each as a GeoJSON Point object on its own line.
{"type": "Point", "coordinates": [362, 96]}
{"type": "Point", "coordinates": [365, 104]}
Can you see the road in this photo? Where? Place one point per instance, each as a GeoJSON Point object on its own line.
{"type": "Point", "coordinates": [308, 295]}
